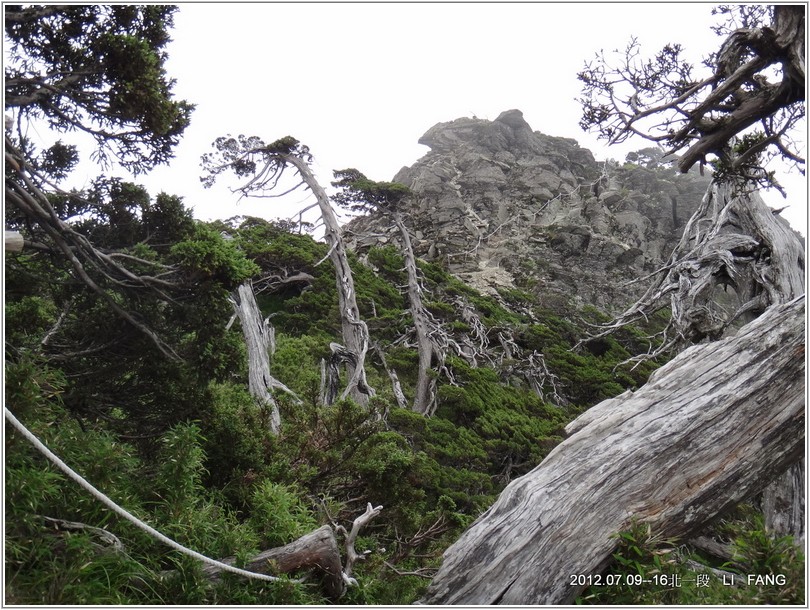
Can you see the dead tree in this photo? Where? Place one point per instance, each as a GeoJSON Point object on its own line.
{"type": "Point", "coordinates": [317, 552]}
{"type": "Point", "coordinates": [267, 164]}
{"type": "Point", "coordinates": [424, 325]}
{"type": "Point", "coordinates": [531, 366]}
{"type": "Point", "coordinates": [735, 243]}
{"type": "Point", "coordinates": [691, 443]}
{"type": "Point", "coordinates": [363, 195]}
{"type": "Point", "coordinates": [259, 343]}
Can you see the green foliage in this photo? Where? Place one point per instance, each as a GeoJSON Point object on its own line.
{"type": "Point", "coordinates": [388, 263]}
{"type": "Point", "coordinates": [45, 564]}
{"type": "Point", "coordinates": [231, 432]}
{"type": "Point", "coordinates": [28, 319]}
{"type": "Point", "coordinates": [649, 570]}
{"type": "Point", "coordinates": [277, 250]}
{"type": "Point", "coordinates": [50, 565]}
{"type": "Point", "coordinates": [644, 570]}
{"type": "Point", "coordinates": [109, 362]}
{"type": "Point", "coordinates": [757, 552]}
{"type": "Point", "coordinates": [380, 302]}
{"type": "Point", "coordinates": [360, 194]}
{"type": "Point", "coordinates": [209, 258]}
{"type": "Point", "coordinates": [180, 465]}
{"type": "Point", "coordinates": [167, 219]}
{"type": "Point", "coordinates": [279, 514]}
{"type": "Point", "coordinates": [591, 374]}
{"type": "Point", "coordinates": [98, 68]}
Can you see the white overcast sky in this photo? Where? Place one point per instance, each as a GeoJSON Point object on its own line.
{"type": "Point", "coordinates": [360, 83]}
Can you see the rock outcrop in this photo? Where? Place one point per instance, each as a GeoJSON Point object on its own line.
{"type": "Point", "coordinates": [507, 207]}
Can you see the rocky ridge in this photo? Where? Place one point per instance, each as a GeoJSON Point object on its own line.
{"type": "Point", "coordinates": [505, 207]}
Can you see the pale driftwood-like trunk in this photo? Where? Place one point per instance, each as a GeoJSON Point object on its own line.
{"type": "Point", "coordinates": [733, 241]}
{"type": "Point", "coordinates": [710, 428]}
{"type": "Point", "coordinates": [425, 346]}
{"type": "Point", "coordinates": [783, 504]}
{"type": "Point", "coordinates": [257, 340]}
{"type": "Point", "coordinates": [355, 331]}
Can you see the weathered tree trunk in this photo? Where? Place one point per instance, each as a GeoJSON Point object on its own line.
{"type": "Point", "coordinates": [257, 340]}
{"type": "Point", "coordinates": [697, 439]}
{"type": "Point", "coordinates": [732, 241]}
{"type": "Point", "coordinates": [340, 356]}
{"type": "Point", "coordinates": [783, 504]}
{"type": "Point", "coordinates": [355, 331]}
{"type": "Point", "coordinates": [317, 550]}
{"type": "Point", "coordinates": [426, 347]}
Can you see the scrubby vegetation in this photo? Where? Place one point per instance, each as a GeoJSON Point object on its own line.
{"type": "Point", "coordinates": [123, 357]}
{"type": "Point", "coordinates": [648, 570]}
{"type": "Point", "coordinates": [183, 446]}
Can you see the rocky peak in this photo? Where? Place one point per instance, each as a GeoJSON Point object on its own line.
{"type": "Point", "coordinates": [506, 207]}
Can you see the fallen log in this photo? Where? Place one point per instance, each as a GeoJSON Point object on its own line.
{"type": "Point", "coordinates": [316, 550]}
{"type": "Point", "coordinates": [711, 427]}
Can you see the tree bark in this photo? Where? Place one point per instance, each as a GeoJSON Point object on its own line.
{"type": "Point", "coordinates": [355, 331]}
{"type": "Point", "coordinates": [697, 439]}
{"type": "Point", "coordinates": [317, 550]}
{"type": "Point", "coordinates": [426, 348]}
{"type": "Point", "coordinates": [783, 505]}
{"type": "Point", "coordinates": [257, 340]}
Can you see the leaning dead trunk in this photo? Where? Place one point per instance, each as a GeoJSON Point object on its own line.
{"type": "Point", "coordinates": [426, 348]}
{"type": "Point", "coordinates": [710, 428]}
{"type": "Point", "coordinates": [355, 331]}
{"type": "Point", "coordinates": [317, 550]}
{"type": "Point", "coordinates": [735, 259]}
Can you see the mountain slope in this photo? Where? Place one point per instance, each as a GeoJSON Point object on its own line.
{"type": "Point", "coordinates": [505, 207]}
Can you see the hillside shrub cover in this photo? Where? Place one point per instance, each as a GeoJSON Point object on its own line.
{"type": "Point", "coordinates": [182, 446]}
